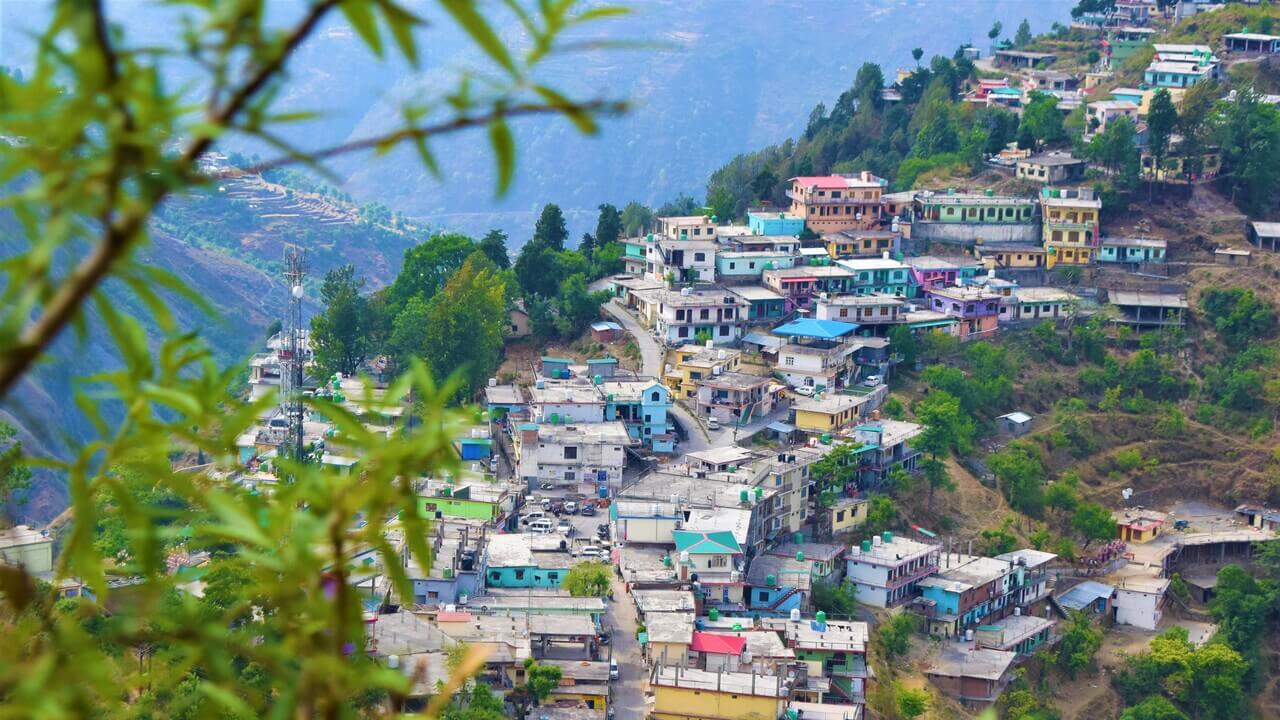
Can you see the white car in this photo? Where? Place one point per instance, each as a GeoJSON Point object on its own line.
{"type": "Point", "coordinates": [872, 380]}
{"type": "Point", "coordinates": [591, 551]}
{"type": "Point", "coordinates": [564, 527]}
{"type": "Point", "coordinates": [613, 669]}
{"type": "Point", "coordinates": [571, 507]}
{"type": "Point", "coordinates": [530, 517]}
{"type": "Point", "coordinates": [804, 390]}
{"type": "Point", "coordinates": [542, 526]}
{"type": "Point", "coordinates": [713, 423]}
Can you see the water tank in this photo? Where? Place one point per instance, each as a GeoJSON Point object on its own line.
{"type": "Point", "coordinates": [821, 617]}
{"type": "Point", "coordinates": [855, 550]}
{"type": "Point", "coordinates": [1017, 611]}
{"type": "Point", "coordinates": [866, 546]}
{"type": "Point", "coordinates": [759, 494]}
{"type": "Point", "coordinates": [675, 499]}
{"type": "Point", "coordinates": [451, 608]}
{"type": "Point", "coordinates": [797, 538]}
{"type": "Point", "coordinates": [666, 561]}
{"type": "Point", "coordinates": [968, 635]}
{"type": "Point", "coordinates": [684, 557]}
{"type": "Point", "coordinates": [735, 577]}
{"type": "Point", "coordinates": [540, 384]}
{"type": "Point", "coordinates": [737, 627]}
{"type": "Point", "coordinates": [876, 541]}
{"type": "Point", "coordinates": [713, 614]}
{"type": "Point", "coordinates": [655, 509]}
{"type": "Point", "coordinates": [771, 580]}
{"type": "Point", "coordinates": [742, 496]}
{"type": "Point", "coordinates": [795, 614]}
{"type": "Point", "coordinates": [597, 380]}
{"type": "Point", "coordinates": [393, 662]}
{"type": "Point", "coordinates": [888, 537]}
{"type": "Point", "coordinates": [720, 355]}
{"type": "Point", "coordinates": [799, 556]}
{"type": "Point", "coordinates": [493, 382]}
{"type": "Point", "coordinates": [686, 292]}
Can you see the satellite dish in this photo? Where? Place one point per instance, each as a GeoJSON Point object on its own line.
{"type": "Point", "coordinates": [297, 292]}
{"type": "Point", "coordinates": [1126, 493]}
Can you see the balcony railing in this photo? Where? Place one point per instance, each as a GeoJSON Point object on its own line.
{"type": "Point", "coordinates": [828, 200]}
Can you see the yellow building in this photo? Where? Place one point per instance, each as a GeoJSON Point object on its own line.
{"type": "Point", "coordinates": [1071, 219]}
{"type": "Point", "coordinates": [582, 682]}
{"type": "Point", "coordinates": [692, 694]}
{"type": "Point", "coordinates": [853, 243]}
{"type": "Point", "coordinates": [1138, 526]}
{"type": "Point", "coordinates": [1012, 256]}
{"type": "Point", "coordinates": [667, 637]}
{"type": "Point", "coordinates": [690, 364]}
{"type": "Point", "coordinates": [828, 412]}
{"type": "Point", "coordinates": [847, 515]}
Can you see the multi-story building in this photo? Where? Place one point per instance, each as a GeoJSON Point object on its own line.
{"type": "Point", "coordinates": [882, 275]}
{"type": "Point", "coordinates": [567, 455]}
{"type": "Point", "coordinates": [641, 405]}
{"type": "Point", "coordinates": [679, 316]}
{"type": "Point", "coordinates": [886, 569]}
{"type": "Point", "coordinates": [1100, 113]}
{"type": "Point", "coordinates": [885, 446]}
{"type": "Point", "coordinates": [684, 260]}
{"type": "Point", "coordinates": [968, 592]}
{"type": "Point", "coordinates": [929, 270]}
{"type": "Point", "coordinates": [861, 243]}
{"type": "Point", "coordinates": [966, 218]}
{"type": "Point", "coordinates": [1181, 66]}
{"type": "Point", "coordinates": [691, 364]}
{"type": "Point", "coordinates": [831, 203]}
{"type": "Point", "coordinates": [1052, 168]}
{"type": "Point", "coordinates": [734, 397]}
{"type": "Point", "coordinates": [818, 353]}
{"type": "Point", "coordinates": [799, 285]}
{"type": "Point", "coordinates": [715, 561]}
{"type": "Point", "coordinates": [977, 308]}
{"type": "Point", "coordinates": [1071, 225]}
{"type": "Point", "coordinates": [839, 646]}
{"type": "Point", "coordinates": [827, 413]}
{"type": "Point", "coordinates": [685, 693]}
{"type": "Point", "coordinates": [763, 305]}
{"type": "Point", "coordinates": [1013, 256]}
{"type": "Point", "coordinates": [864, 310]}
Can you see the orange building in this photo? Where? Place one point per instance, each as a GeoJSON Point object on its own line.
{"type": "Point", "coordinates": [831, 203]}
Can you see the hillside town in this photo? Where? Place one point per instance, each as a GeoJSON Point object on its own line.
{"type": "Point", "coordinates": [661, 532]}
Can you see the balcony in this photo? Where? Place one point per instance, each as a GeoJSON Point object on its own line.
{"type": "Point", "coordinates": [828, 200]}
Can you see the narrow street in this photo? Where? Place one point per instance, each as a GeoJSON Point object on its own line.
{"type": "Point", "coordinates": [628, 691]}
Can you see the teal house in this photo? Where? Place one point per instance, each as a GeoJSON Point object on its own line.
{"type": "Point", "coordinates": [880, 276]}
{"type": "Point", "coordinates": [642, 406]}
{"type": "Point", "coordinates": [751, 264]}
{"type": "Point", "coordinates": [525, 561]}
{"type": "Point", "coordinates": [1132, 250]}
{"type": "Point", "coordinates": [763, 222]}
{"type": "Point", "coordinates": [763, 304]}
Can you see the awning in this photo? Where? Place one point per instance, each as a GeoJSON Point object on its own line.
{"type": "Point", "coordinates": [821, 329]}
{"type": "Point", "coordinates": [781, 427]}
{"type": "Point", "coordinates": [762, 340]}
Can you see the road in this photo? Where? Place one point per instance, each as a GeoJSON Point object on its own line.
{"type": "Point", "coordinates": [651, 364]}
{"type": "Point", "coordinates": [628, 691]}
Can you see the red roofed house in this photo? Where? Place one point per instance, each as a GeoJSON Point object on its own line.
{"type": "Point", "coordinates": [717, 652]}
{"type": "Point", "coordinates": [830, 203]}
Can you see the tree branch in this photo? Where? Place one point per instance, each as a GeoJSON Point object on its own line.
{"type": "Point", "coordinates": [597, 107]}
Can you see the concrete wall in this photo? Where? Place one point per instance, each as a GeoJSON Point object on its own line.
{"type": "Point", "coordinates": [967, 233]}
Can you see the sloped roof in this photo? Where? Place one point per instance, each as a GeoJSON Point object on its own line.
{"type": "Point", "coordinates": [810, 327]}
{"type": "Point", "coordinates": [717, 644]}
{"type": "Point", "coordinates": [710, 543]}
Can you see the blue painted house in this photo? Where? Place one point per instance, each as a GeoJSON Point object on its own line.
{"type": "Point", "coordinates": [525, 561]}
{"type": "Point", "coordinates": [776, 585]}
{"type": "Point", "coordinates": [1132, 250]}
{"type": "Point", "coordinates": [966, 590]}
{"type": "Point", "coordinates": [642, 406]}
{"type": "Point", "coordinates": [763, 222]}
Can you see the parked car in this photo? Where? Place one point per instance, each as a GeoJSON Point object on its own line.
{"type": "Point", "coordinates": [713, 423]}
{"type": "Point", "coordinates": [872, 380]}
{"type": "Point", "coordinates": [603, 638]}
{"type": "Point", "coordinates": [591, 551]}
{"type": "Point", "coordinates": [613, 669]}
{"type": "Point", "coordinates": [804, 390]}
{"type": "Point", "coordinates": [564, 527]}
{"type": "Point", "coordinates": [530, 517]}
{"type": "Point", "coordinates": [587, 509]}
{"type": "Point", "coordinates": [571, 507]}
{"type": "Point", "coordinates": [542, 526]}
{"type": "Point", "coordinates": [493, 464]}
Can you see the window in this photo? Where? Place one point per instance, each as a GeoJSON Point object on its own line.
{"type": "Point", "coordinates": [789, 361]}
{"type": "Point", "coordinates": [732, 266]}
{"type": "Point", "coordinates": [553, 577]}
{"type": "Point", "coordinates": [750, 265]}
{"type": "Point", "coordinates": [840, 516]}
{"type": "Point", "coordinates": [699, 257]}
{"type": "Point", "coordinates": [763, 596]}
{"type": "Point", "coordinates": [655, 396]}
{"type": "Point", "coordinates": [571, 453]}
{"type": "Point", "coordinates": [704, 314]}
{"type": "Point", "coordinates": [682, 332]}
{"type": "Point", "coordinates": [717, 561]}
{"type": "Point", "coordinates": [835, 193]}
{"type": "Point", "coordinates": [519, 574]}
{"type": "Point", "coordinates": [568, 475]}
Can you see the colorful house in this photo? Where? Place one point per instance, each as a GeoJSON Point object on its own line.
{"type": "Point", "coordinates": [1015, 256]}
{"type": "Point", "coordinates": [1139, 526]}
{"type": "Point", "coordinates": [854, 243]}
{"type": "Point", "coordinates": [866, 311]}
{"type": "Point", "coordinates": [466, 499]}
{"type": "Point", "coordinates": [977, 308]}
{"type": "Point", "coordinates": [800, 285]}
{"type": "Point", "coordinates": [692, 694]}
{"type": "Point", "coordinates": [714, 560]}
{"type": "Point", "coordinates": [762, 304]}
{"type": "Point", "coordinates": [837, 202]}
{"type": "Point", "coordinates": [766, 222]}
{"type": "Point", "coordinates": [929, 270]}
{"type": "Point", "coordinates": [1071, 225]}
{"type": "Point", "coordinates": [746, 265]}
{"type": "Point", "coordinates": [877, 276]}
{"type": "Point", "coordinates": [691, 364]}
{"type": "Point", "coordinates": [827, 412]}
{"type": "Point", "coordinates": [818, 353]}
{"type": "Point", "coordinates": [834, 649]}
{"type": "Point", "coordinates": [966, 218]}
{"type": "Point", "coordinates": [1037, 303]}
{"type": "Point", "coordinates": [640, 405]}
{"type": "Point", "coordinates": [967, 591]}
{"type": "Point", "coordinates": [778, 584]}
{"type": "Point", "coordinates": [511, 561]}
{"type": "Point", "coordinates": [886, 570]}
{"type": "Point", "coordinates": [1132, 250]}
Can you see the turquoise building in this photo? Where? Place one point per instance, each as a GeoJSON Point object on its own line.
{"type": "Point", "coordinates": [1132, 250]}
{"type": "Point", "coordinates": [751, 264]}
{"type": "Point", "coordinates": [525, 561]}
{"type": "Point", "coordinates": [882, 276]}
{"type": "Point", "coordinates": [763, 222]}
{"type": "Point", "coordinates": [642, 406]}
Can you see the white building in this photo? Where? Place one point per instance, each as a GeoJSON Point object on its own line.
{"type": "Point", "coordinates": [860, 309]}
{"type": "Point", "coordinates": [570, 454]}
{"type": "Point", "coordinates": [572, 401]}
{"type": "Point", "coordinates": [678, 317]}
{"type": "Point", "coordinates": [1139, 601]}
{"type": "Point", "coordinates": [885, 570]}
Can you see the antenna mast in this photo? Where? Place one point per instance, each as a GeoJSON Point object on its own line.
{"type": "Point", "coordinates": [293, 351]}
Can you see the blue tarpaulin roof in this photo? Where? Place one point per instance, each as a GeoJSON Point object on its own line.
{"type": "Point", "coordinates": [822, 329]}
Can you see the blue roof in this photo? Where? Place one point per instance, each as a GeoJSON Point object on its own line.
{"type": "Point", "coordinates": [1085, 594]}
{"type": "Point", "coordinates": [822, 329]}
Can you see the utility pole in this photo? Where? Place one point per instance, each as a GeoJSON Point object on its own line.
{"type": "Point", "coordinates": [293, 351]}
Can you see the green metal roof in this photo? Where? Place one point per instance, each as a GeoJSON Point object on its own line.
{"type": "Point", "coordinates": [603, 361]}
{"type": "Point", "coordinates": [712, 543]}
{"type": "Point", "coordinates": [476, 441]}
{"type": "Point", "coordinates": [566, 361]}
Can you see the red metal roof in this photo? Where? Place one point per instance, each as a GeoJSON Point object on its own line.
{"type": "Point", "coordinates": [822, 181]}
{"type": "Point", "coordinates": [717, 644]}
{"type": "Point", "coordinates": [453, 617]}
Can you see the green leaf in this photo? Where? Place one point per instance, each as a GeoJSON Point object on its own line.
{"type": "Point", "coordinates": [227, 699]}
{"type": "Point", "coordinates": [402, 23]}
{"type": "Point", "coordinates": [504, 152]}
{"type": "Point", "coordinates": [580, 118]}
{"type": "Point", "coordinates": [464, 12]}
{"type": "Point", "coordinates": [360, 14]}
{"type": "Point", "coordinates": [428, 158]}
